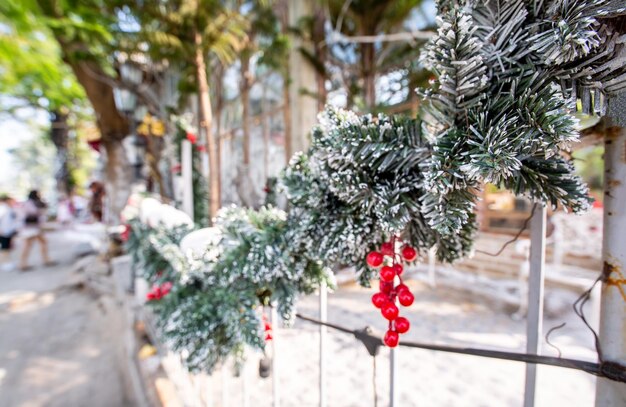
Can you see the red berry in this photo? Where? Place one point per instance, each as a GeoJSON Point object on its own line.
{"type": "Point", "coordinates": [125, 235]}
{"type": "Point", "coordinates": [268, 336]}
{"type": "Point", "coordinates": [374, 259]}
{"type": "Point", "coordinates": [402, 325]}
{"type": "Point", "coordinates": [267, 326]}
{"type": "Point", "coordinates": [409, 253]}
{"type": "Point", "coordinates": [166, 287]}
{"type": "Point", "coordinates": [379, 299]}
{"type": "Point", "coordinates": [385, 287]}
{"type": "Point", "coordinates": [390, 311]}
{"type": "Point", "coordinates": [192, 137]}
{"type": "Point", "coordinates": [398, 268]}
{"type": "Point", "coordinates": [401, 287]}
{"type": "Point", "coordinates": [391, 339]}
{"type": "Point", "coordinates": [406, 298]}
{"type": "Point", "coordinates": [387, 273]}
{"type": "Point", "coordinates": [150, 296]}
{"type": "Point", "coordinates": [387, 249]}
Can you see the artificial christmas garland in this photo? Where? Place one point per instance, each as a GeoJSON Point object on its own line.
{"type": "Point", "coordinates": [507, 75]}
{"type": "Point", "coordinates": [360, 183]}
{"type": "Point", "coordinates": [207, 304]}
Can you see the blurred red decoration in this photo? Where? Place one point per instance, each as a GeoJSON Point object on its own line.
{"type": "Point", "coordinates": [95, 145]}
{"type": "Point", "coordinates": [192, 137]}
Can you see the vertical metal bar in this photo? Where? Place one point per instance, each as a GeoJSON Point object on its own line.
{"type": "Point", "coordinates": [323, 333]}
{"type": "Point", "coordinates": [245, 396]}
{"type": "Point", "coordinates": [209, 391]}
{"type": "Point", "coordinates": [275, 368]}
{"type": "Point", "coordinates": [534, 319]}
{"type": "Point", "coordinates": [225, 389]}
{"type": "Point", "coordinates": [612, 331]}
{"type": "Point", "coordinates": [393, 366]}
{"type": "Point", "coordinates": [187, 173]}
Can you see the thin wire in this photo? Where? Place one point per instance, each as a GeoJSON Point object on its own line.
{"type": "Point", "coordinates": [554, 328]}
{"type": "Point", "coordinates": [517, 236]}
{"type": "Point", "coordinates": [580, 312]}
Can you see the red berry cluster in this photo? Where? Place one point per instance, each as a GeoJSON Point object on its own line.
{"type": "Point", "coordinates": [386, 298]}
{"type": "Point", "coordinates": [267, 328]}
{"type": "Point", "coordinates": [159, 291]}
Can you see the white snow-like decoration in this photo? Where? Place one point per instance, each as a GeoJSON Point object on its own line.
{"type": "Point", "coordinates": [129, 213]}
{"type": "Point", "coordinates": [148, 211]}
{"type": "Point", "coordinates": [171, 217]}
{"type": "Point", "coordinates": [131, 210]}
{"type": "Point", "coordinates": [196, 243]}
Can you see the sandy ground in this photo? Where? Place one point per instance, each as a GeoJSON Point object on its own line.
{"type": "Point", "coordinates": [58, 336]}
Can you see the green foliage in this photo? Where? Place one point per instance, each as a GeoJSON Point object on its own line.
{"type": "Point", "coordinates": [30, 63]}
{"type": "Point", "coordinates": [589, 163]}
{"type": "Point", "coordinates": [169, 28]}
{"type": "Point", "coordinates": [211, 312]}
{"type": "Point", "coordinates": [264, 35]}
{"type": "Point", "coordinates": [146, 247]}
{"type": "Point", "coordinates": [508, 73]}
{"type": "Point", "coordinates": [207, 327]}
{"type": "Point", "coordinates": [360, 183]}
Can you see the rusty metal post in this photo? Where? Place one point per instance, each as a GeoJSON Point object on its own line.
{"type": "Point", "coordinates": [613, 302]}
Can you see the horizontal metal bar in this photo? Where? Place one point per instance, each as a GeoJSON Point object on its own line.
{"type": "Point", "coordinates": [589, 367]}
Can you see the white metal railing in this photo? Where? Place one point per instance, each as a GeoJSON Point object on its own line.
{"type": "Point", "coordinates": [534, 316]}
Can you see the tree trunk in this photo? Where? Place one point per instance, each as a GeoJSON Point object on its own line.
{"type": "Point", "coordinates": [245, 104]}
{"type": "Point", "coordinates": [218, 80]}
{"type": "Point", "coordinates": [59, 133]}
{"type": "Point", "coordinates": [319, 40]}
{"type": "Point", "coordinates": [266, 138]}
{"type": "Point", "coordinates": [118, 180]}
{"type": "Point", "coordinates": [153, 156]}
{"type": "Point", "coordinates": [368, 72]}
{"type": "Point", "coordinates": [113, 126]}
{"type": "Point", "coordinates": [206, 119]}
{"type": "Point", "coordinates": [283, 12]}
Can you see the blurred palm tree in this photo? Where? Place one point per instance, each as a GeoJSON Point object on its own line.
{"type": "Point", "coordinates": [358, 65]}
{"type": "Point", "coordinates": [184, 33]}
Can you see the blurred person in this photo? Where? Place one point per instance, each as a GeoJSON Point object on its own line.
{"type": "Point", "coordinates": [9, 223]}
{"type": "Point", "coordinates": [34, 211]}
{"type": "Point", "coordinates": [96, 201]}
